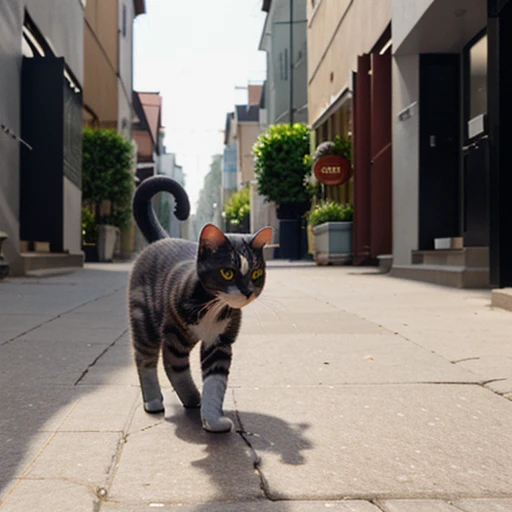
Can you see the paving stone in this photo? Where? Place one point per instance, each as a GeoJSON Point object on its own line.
{"type": "Point", "coordinates": [415, 441]}
{"type": "Point", "coordinates": [252, 506]}
{"type": "Point", "coordinates": [18, 323]}
{"type": "Point", "coordinates": [177, 461]}
{"type": "Point", "coordinates": [82, 457]}
{"type": "Point", "coordinates": [16, 454]}
{"type": "Point", "coordinates": [331, 359]}
{"type": "Point", "coordinates": [103, 409]}
{"type": "Point", "coordinates": [485, 505]}
{"type": "Point", "coordinates": [45, 361]}
{"type": "Point", "coordinates": [50, 495]}
{"type": "Point", "coordinates": [417, 506]}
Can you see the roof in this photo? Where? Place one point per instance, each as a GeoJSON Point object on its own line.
{"type": "Point", "coordinates": [140, 7]}
{"type": "Point", "coordinates": [152, 106]}
{"type": "Point", "coordinates": [247, 113]}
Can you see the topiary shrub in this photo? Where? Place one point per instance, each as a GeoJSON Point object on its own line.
{"type": "Point", "coordinates": [106, 177]}
{"type": "Point", "coordinates": [280, 168]}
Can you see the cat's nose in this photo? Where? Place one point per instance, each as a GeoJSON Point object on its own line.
{"type": "Point", "coordinates": [247, 293]}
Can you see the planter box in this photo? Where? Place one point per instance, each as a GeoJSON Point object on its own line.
{"type": "Point", "coordinates": [333, 243]}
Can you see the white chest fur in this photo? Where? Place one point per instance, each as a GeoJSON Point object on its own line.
{"type": "Point", "coordinates": [208, 329]}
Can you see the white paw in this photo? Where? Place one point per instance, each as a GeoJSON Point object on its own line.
{"type": "Point", "coordinates": [220, 424]}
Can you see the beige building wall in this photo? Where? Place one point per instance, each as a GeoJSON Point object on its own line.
{"type": "Point", "coordinates": [247, 134]}
{"type": "Point", "coordinates": [339, 31]}
{"type": "Point", "coordinates": [100, 61]}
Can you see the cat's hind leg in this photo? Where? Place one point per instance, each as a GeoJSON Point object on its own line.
{"type": "Point", "coordinates": [146, 360]}
{"type": "Point", "coordinates": [146, 346]}
{"type": "Point", "coordinates": [176, 352]}
{"type": "Point", "coordinates": [215, 363]}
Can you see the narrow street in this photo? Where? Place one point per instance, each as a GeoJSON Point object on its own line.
{"type": "Point", "coordinates": [350, 390]}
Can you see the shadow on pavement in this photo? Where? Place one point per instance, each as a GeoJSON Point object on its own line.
{"type": "Point", "coordinates": [224, 470]}
{"type": "Point", "coordinates": [51, 330]}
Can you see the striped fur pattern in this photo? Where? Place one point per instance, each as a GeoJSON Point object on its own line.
{"type": "Point", "coordinates": [182, 293]}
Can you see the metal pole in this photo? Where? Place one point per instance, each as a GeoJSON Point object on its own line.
{"type": "Point", "coordinates": [291, 62]}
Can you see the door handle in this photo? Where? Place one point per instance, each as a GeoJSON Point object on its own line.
{"type": "Point", "coordinates": [470, 147]}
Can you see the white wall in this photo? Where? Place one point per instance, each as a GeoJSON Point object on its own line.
{"type": "Point", "coordinates": [72, 217]}
{"type": "Point", "coordinates": [406, 14]}
{"type": "Point", "coordinates": [405, 158]}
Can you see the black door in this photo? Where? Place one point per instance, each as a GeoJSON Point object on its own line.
{"type": "Point", "coordinates": [439, 183]}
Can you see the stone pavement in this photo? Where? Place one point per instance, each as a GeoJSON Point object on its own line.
{"type": "Point", "coordinates": [350, 390]}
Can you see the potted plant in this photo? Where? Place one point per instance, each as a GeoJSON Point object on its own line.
{"type": "Point", "coordinates": [107, 189]}
{"type": "Point", "coordinates": [281, 176]}
{"type": "Point", "coordinates": [332, 229]}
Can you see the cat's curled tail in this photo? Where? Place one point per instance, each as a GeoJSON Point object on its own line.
{"type": "Point", "coordinates": [143, 209]}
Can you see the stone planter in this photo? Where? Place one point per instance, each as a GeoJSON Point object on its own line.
{"type": "Point", "coordinates": [333, 243]}
{"type": "Point", "coordinates": [107, 236]}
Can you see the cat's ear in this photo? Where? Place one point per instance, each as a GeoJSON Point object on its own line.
{"type": "Point", "coordinates": [211, 238]}
{"type": "Point", "coordinates": [262, 238]}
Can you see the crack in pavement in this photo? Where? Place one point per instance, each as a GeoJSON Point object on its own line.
{"type": "Point", "coordinates": [256, 458]}
{"type": "Point", "coordinates": [86, 371]}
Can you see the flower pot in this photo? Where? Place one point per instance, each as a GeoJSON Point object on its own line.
{"type": "Point", "coordinates": [107, 236]}
{"type": "Point", "coordinates": [90, 253]}
{"type": "Point", "coordinates": [333, 243]}
{"type": "Point", "coordinates": [292, 210]}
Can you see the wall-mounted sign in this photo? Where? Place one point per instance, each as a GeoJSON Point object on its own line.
{"type": "Point", "coordinates": [332, 170]}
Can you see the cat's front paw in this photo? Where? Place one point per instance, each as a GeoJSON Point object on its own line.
{"type": "Point", "coordinates": [154, 406]}
{"type": "Point", "coordinates": [218, 425]}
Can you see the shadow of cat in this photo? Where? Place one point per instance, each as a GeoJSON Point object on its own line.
{"type": "Point", "coordinates": [232, 461]}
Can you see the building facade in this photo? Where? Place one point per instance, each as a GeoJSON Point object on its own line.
{"type": "Point", "coordinates": [229, 159]}
{"type": "Point", "coordinates": [41, 47]}
{"type": "Point", "coordinates": [450, 152]}
{"type": "Point", "coordinates": [286, 92]}
{"type": "Point", "coordinates": [108, 63]}
{"type": "Point", "coordinates": [349, 95]}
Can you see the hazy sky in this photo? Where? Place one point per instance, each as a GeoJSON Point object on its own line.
{"type": "Point", "coordinates": [195, 52]}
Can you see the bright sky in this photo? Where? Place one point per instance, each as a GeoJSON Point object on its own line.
{"type": "Point", "coordinates": [195, 52]}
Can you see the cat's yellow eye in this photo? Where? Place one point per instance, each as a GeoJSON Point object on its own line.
{"type": "Point", "coordinates": [256, 274]}
{"type": "Point", "coordinates": [227, 273]}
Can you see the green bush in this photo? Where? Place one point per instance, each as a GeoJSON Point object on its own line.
{"type": "Point", "coordinates": [89, 227]}
{"type": "Point", "coordinates": [330, 211]}
{"type": "Point", "coordinates": [280, 168]}
{"type": "Point", "coordinates": [238, 206]}
{"type": "Point", "coordinates": [107, 176]}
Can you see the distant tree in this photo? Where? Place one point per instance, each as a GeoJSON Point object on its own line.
{"type": "Point", "coordinates": [210, 195]}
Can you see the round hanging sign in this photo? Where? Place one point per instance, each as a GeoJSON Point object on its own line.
{"type": "Point", "coordinates": [332, 170]}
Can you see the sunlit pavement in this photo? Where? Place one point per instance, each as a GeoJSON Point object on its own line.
{"type": "Point", "coordinates": [350, 391]}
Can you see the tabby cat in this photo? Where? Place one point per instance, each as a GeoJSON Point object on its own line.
{"type": "Point", "coordinates": [180, 293]}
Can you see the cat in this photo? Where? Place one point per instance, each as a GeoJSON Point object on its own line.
{"type": "Point", "coordinates": [181, 293]}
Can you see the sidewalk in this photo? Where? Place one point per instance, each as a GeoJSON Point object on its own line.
{"type": "Point", "coordinates": [351, 391]}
